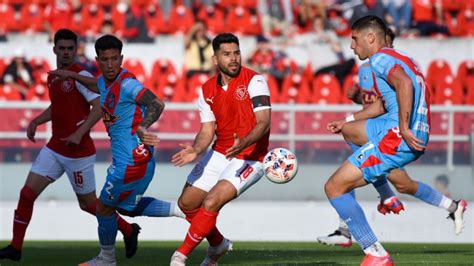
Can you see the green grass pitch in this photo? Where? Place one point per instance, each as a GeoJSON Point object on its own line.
{"type": "Point", "coordinates": [245, 253]}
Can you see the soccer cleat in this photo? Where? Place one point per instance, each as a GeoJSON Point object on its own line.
{"type": "Point", "coordinates": [390, 205]}
{"type": "Point", "coordinates": [99, 261]}
{"type": "Point", "coordinates": [131, 242]}
{"type": "Point", "coordinates": [370, 260]}
{"type": "Point", "coordinates": [10, 253]}
{"type": "Point", "coordinates": [458, 216]}
{"type": "Point", "coordinates": [215, 253]}
{"type": "Point", "coordinates": [178, 259]}
{"type": "Point", "coordinates": [336, 239]}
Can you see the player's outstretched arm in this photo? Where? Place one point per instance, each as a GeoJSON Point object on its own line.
{"type": "Point", "coordinates": [94, 116]}
{"type": "Point", "coordinates": [203, 139]}
{"type": "Point", "coordinates": [88, 82]}
{"type": "Point", "coordinates": [154, 108]}
{"type": "Point", "coordinates": [261, 128]}
{"type": "Point", "coordinates": [404, 89]}
{"type": "Point", "coordinates": [42, 118]}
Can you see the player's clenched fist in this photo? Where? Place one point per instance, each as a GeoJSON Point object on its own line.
{"type": "Point", "coordinates": [336, 126]}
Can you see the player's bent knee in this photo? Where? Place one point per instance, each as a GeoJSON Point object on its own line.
{"type": "Point", "coordinates": [211, 203]}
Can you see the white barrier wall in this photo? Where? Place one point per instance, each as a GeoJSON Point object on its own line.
{"type": "Point", "coordinates": [297, 211]}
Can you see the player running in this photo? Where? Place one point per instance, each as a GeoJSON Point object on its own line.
{"type": "Point", "coordinates": [366, 94]}
{"type": "Point", "coordinates": [70, 149]}
{"type": "Point", "coordinates": [235, 108]}
{"type": "Point", "coordinates": [129, 109]}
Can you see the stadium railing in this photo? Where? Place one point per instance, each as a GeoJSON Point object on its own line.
{"type": "Point", "coordinates": [297, 118]}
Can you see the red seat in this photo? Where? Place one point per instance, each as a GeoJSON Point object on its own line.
{"type": "Point", "coordinates": [60, 16]}
{"type": "Point", "coordinates": [449, 91]}
{"type": "Point", "coordinates": [274, 88]}
{"type": "Point", "coordinates": [8, 23]}
{"type": "Point", "coordinates": [171, 89]}
{"type": "Point", "coordinates": [181, 19]}
{"type": "Point", "coordinates": [38, 92]}
{"type": "Point", "coordinates": [93, 17]}
{"type": "Point", "coordinates": [8, 93]}
{"type": "Point", "coordinates": [466, 22]}
{"type": "Point", "coordinates": [295, 89]}
{"type": "Point", "coordinates": [40, 67]}
{"type": "Point", "coordinates": [33, 17]}
{"type": "Point", "coordinates": [213, 17]}
{"type": "Point", "coordinates": [118, 20]}
{"type": "Point", "coordinates": [162, 68]}
{"type": "Point", "coordinates": [437, 70]}
{"type": "Point", "coordinates": [154, 20]}
{"type": "Point", "coordinates": [241, 21]}
{"type": "Point", "coordinates": [194, 85]}
{"type": "Point", "coordinates": [349, 82]}
{"type": "Point", "coordinates": [469, 99]}
{"type": "Point", "coordinates": [465, 71]}
{"type": "Point", "coordinates": [326, 90]}
{"type": "Point", "coordinates": [135, 67]}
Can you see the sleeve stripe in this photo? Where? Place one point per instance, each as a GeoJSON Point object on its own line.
{"type": "Point", "coordinates": [139, 95]}
{"type": "Point", "coordinates": [390, 72]}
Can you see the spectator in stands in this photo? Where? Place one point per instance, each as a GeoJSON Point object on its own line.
{"type": "Point", "coordinates": [428, 18]}
{"type": "Point", "coordinates": [136, 29]}
{"type": "Point", "coordinates": [399, 14]}
{"type": "Point", "coordinates": [275, 17]}
{"type": "Point", "coordinates": [326, 49]}
{"type": "Point", "coordinates": [306, 12]}
{"type": "Point", "coordinates": [19, 74]}
{"type": "Point", "coordinates": [441, 184]}
{"type": "Point", "coordinates": [85, 62]}
{"type": "Point", "coordinates": [368, 7]}
{"type": "Point", "coordinates": [266, 60]}
{"type": "Point", "coordinates": [198, 50]}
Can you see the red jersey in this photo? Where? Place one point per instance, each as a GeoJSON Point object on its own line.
{"type": "Point", "coordinates": [69, 109]}
{"type": "Point", "coordinates": [233, 111]}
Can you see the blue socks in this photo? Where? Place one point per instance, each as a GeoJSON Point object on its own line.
{"type": "Point", "coordinates": [153, 207]}
{"type": "Point", "coordinates": [428, 194]}
{"type": "Point", "coordinates": [107, 230]}
{"type": "Point", "coordinates": [383, 188]}
{"type": "Point", "coordinates": [351, 212]}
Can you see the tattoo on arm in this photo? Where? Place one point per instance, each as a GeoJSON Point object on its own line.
{"type": "Point", "coordinates": [154, 108]}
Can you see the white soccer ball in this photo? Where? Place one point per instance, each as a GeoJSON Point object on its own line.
{"type": "Point", "coordinates": [280, 165]}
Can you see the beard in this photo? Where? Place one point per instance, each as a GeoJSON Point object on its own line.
{"type": "Point", "coordinates": [230, 73]}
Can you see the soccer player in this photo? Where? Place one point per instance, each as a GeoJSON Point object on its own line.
{"type": "Point", "coordinates": [129, 109]}
{"type": "Point", "coordinates": [404, 131]}
{"type": "Point", "coordinates": [398, 177]}
{"type": "Point", "coordinates": [69, 150]}
{"type": "Point", "coordinates": [235, 108]}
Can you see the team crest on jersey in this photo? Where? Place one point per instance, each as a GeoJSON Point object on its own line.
{"type": "Point", "coordinates": [108, 118]}
{"type": "Point", "coordinates": [241, 92]}
{"type": "Point", "coordinates": [67, 85]}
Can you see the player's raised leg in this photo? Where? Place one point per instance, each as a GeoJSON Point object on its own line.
{"type": "Point", "coordinates": [404, 184]}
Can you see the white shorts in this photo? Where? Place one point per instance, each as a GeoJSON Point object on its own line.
{"type": "Point", "coordinates": [80, 171]}
{"type": "Point", "coordinates": [214, 167]}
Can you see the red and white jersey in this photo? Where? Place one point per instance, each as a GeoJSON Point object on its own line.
{"type": "Point", "coordinates": [69, 109]}
{"type": "Point", "coordinates": [232, 109]}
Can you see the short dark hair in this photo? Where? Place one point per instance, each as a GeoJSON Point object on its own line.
{"type": "Point", "coordinates": [223, 38]}
{"type": "Point", "coordinates": [108, 42]}
{"type": "Point", "coordinates": [370, 22]}
{"type": "Point", "coordinates": [390, 34]}
{"type": "Point", "coordinates": [65, 34]}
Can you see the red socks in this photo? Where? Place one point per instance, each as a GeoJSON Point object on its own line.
{"type": "Point", "coordinates": [22, 218]}
{"type": "Point", "coordinates": [214, 237]}
{"type": "Point", "coordinates": [123, 226]}
{"type": "Point", "coordinates": [201, 225]}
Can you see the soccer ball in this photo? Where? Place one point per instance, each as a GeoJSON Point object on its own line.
{"type": "Point", "coordinates": [280, 165]}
